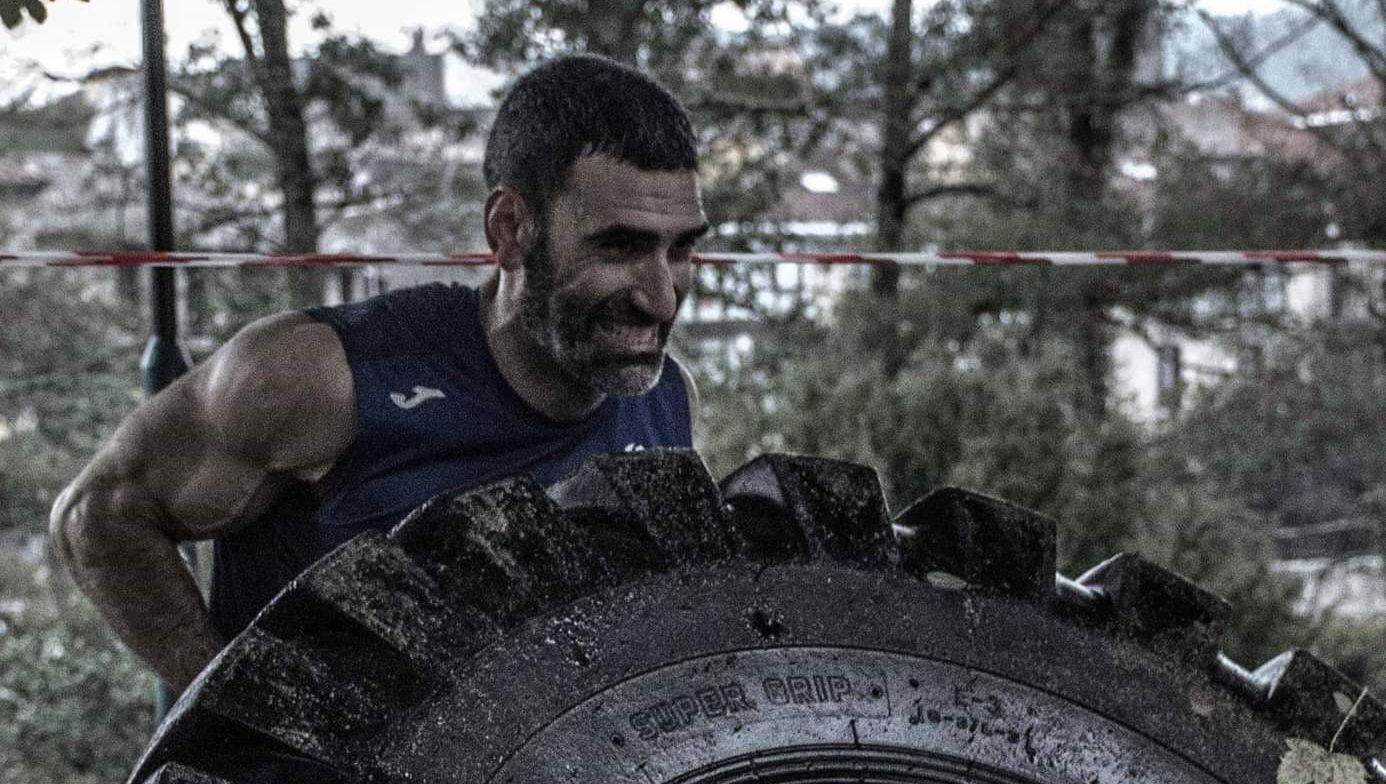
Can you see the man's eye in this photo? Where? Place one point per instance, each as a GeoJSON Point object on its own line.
{"type": "Point", "coordinates": [626, 245]}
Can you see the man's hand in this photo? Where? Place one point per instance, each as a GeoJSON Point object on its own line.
{"type": "Point", "coordinates": [200, 458]}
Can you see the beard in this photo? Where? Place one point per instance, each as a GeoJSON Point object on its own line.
{"type": "Point", "coordinates": [567, 328]}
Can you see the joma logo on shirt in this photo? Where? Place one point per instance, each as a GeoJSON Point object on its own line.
{"type": "Point", "coordinates": [421, 395]}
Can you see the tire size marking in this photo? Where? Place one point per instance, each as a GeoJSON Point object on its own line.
{"type": "Point", "coordinates": [966, 722]}
{"type": "Point", "coordinates": [735, 697]}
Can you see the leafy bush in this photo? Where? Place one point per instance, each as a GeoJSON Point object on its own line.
{"type": "Point", "coordinates": [75, 707]}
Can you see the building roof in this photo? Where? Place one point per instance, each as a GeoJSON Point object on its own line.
{"type": "Point", "coordinates": [60, 126]}
{"type": "Point", "coordinates": [1221, 126]}
{"type": "Point", "coordinates": [1365, 93]}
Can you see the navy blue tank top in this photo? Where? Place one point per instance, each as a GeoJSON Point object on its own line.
{"type": "Point", "coordinates": [433, 413]}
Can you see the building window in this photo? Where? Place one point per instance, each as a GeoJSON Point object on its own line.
{"type": "Point", "coordinates": [1262, 293]}
{"type": "Point", "coordinates": [1339, 293]}
{"type": "Point", "coordinates": [819, 182]}
{"type": "Point", "coordinates": [1251, 359]}
{"type": "Point", "coordinates": [1273, 290]}
{"type": "Point", "coordinates": [1168, 376]}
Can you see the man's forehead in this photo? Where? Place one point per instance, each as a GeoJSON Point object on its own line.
{"type": "Point", "coordinates": [601, 189]}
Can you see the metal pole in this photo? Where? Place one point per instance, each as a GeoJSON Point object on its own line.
{"type": "Point", "coordinates": [164, 359]}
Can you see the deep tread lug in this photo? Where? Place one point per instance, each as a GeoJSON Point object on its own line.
{"type": "Point", "coordinates": [221, 749]}
{"type": "Point", "coordinates": [790, 506]}
{"type": "Point", "coordinates": [1160, 607]}
{"type": "Point", "coordinates": [174, 773]}
{"type": "Point", "coordinates": [981, 540]}
{"type": "Point", "coordinates": [666, 493]}
{"type": "Point", "coordinates": [1310, 699]}
{"type": "Point", "coordinates": [501, 552]}
{"type": "Point", "coordinates": [260, 768]}
{"type": "Point", "coordinates": [373, 584]}
{"type": "Point", "coordinates": [325, 695]}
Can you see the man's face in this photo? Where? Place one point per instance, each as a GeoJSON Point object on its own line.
{"type": "Point", "coordinates": [608, 269]}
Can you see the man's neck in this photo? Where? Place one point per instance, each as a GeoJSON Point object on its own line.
{"type": "Point", "coordinates": [527, 368]}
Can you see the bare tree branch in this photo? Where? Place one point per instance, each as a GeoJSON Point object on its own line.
{"type": "Point", "coordinates": [748, 103]}
{"type": "Point", "coordinates": [1332, 14]}
{"type": "Point", "coordinates": [212, 218]}
{"type": "Point", "coordinates": [1243, 64]}
{"type": "Point", "coordinates": [959, 112]}
{"type": "Point", "coordinates": [999, 80]}
{"type": "Point", "coordinates": [238, 18]}
{"type": "Point", "coordinates": [1163, 89]}
{"type": "Point", "coordinates": [1291, 36]}
{"type": "Point", "coordinates": [243, 124]}
{"type": "Point", "coordinates": [980, 189]}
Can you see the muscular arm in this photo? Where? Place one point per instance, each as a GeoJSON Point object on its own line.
{"type": "Point", "coordinates": [193, 462]}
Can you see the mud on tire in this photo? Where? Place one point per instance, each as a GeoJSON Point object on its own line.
{"type": "Point", "coordinates": [641, 623]}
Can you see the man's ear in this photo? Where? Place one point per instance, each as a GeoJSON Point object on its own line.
{"type": "Point", "coordinates": [509, 227]}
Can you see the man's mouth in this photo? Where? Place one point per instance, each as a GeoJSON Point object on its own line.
{"type": "Point", "coordinates": [627, 337]}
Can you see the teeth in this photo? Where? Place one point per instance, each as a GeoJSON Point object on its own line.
{"type": "Point", "coordinates": [631, 335]}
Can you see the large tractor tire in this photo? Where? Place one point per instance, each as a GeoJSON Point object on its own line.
{"type": "Point", "coordinates": [640, 624]}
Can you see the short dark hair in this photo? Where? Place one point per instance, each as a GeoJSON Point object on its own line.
{"type": "Point", "coordinates": [583, 105]}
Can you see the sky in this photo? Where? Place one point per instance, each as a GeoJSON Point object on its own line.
{"type": "Point", "coordinates": [79, 36]}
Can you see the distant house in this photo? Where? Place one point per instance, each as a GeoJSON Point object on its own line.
{"type": "Point", "coordinates": [1363, 100]}
{"type": "Point", "coordinates": [1157, 364]}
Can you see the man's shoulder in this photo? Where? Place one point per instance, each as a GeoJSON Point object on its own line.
{"type": "Point", "coordinates": [411, 301]}
{"type": "Point", "coordinates": [280, 369]}
{"type": "Point", "coordinates": [418, 315]}
{"type": "Point", "coordinates": [282, 344]}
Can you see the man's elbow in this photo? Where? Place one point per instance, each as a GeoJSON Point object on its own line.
{"type": "Point", "coordinates": [64, 526]}
{"type": "Point", "coordinates": [89, 527]}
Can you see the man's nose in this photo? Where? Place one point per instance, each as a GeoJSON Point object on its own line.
{"type": "Point", "coordinates": [659, 289]}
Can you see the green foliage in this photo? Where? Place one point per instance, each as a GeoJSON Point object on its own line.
{"type": "Point", "coordinates": [1263, 202]}
{"type": "Point", "coordinates": [12, 11]}
{"type": "Point", "coordinates": [656, 36]}
{"type": "Point", "coordinates": [75, 708]}
{"type": "Point", "coordinates": [66, 379]}
{"type": "Point", "coordinates": [1300, 440]}
{"type": "Point", "coordinates": [349, 91]}
{"type": "Point", "coordinates": [1355, 648]}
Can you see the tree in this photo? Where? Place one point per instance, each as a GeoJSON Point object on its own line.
{"type": "Point", "coordinates": [1300, 438]}
{"type": "Point", "coordinates": [66, 379]}
{"type": "Point", "coordinates": [264, 97]}
{"type": "Point", "coordinates": [1297, 436]}
{"type": "Point", "coordinates": [285, 128]}
{"type": "Point", "coordinates": [933, 79]}
{"type": "Point", "coordinates": [67, 376]}
{"type": "Point", "coordinates": [1347, 125]}
{"type": "Point", "coordinates": [1253, 202]}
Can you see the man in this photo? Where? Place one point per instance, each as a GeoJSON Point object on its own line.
{"type": "Point", "coordinates": [308, 428]}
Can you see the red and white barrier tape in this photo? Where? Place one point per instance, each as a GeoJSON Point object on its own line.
{"type": "Point", "coordinates": [954, 258]}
